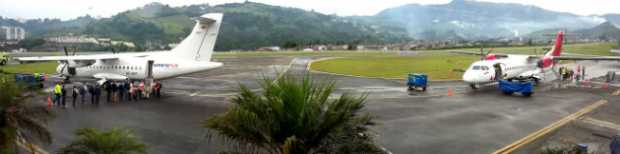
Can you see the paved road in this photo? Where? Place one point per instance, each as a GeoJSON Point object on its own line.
{"type": "Point", "coordinates": [469, 122]}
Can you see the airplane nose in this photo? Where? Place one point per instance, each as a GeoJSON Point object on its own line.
{"type": "Point", "coordinates": [467, 77]}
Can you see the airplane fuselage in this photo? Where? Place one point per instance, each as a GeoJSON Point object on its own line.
{"type": "Point", "coordinates": [512, 67]}
{"type": "Point", "coordinates": [165, 65]}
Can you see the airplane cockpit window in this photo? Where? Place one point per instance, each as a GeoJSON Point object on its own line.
{"type": "Point", "coordinates": [476, 67]}
{"type": "Point", "coordinates": [485, 68]}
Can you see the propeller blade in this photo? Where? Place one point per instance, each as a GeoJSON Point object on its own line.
{"type": "Point", "coordinates": [482, 54]}
{"type": "Point", "coordinates": [490, 50]}
{"type": "Point", "coordinates": [64, 65]}
{"type": "Point", "coordinates": [74, 51]}
{"type": "Point", "coordinates": [66, 52]}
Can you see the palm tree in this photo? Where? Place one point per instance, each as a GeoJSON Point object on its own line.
{"type": "Point", "coordinates": [113, 141]}
{"type": "Point", "coordinates": [18, 119]}
{"type": "Point", "coordinates": [293, 115]}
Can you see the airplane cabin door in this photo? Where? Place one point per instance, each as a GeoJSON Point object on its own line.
{"type": "Point", "coordinates": [149, 69]}
{"type": "Point", "coordinates": [499, 74]}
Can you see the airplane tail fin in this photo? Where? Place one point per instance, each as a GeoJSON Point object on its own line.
{"type": "Point", "coordinates": [201, 41]}
{"type": "Point", "coordinates": [556, 50]}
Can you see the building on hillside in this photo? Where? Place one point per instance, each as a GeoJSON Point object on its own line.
{"type": "Point", "coordinates": [337, 47]}
{"type": "Point", "coordinates": [103, 41]}
{"type": "Point", "coordinates": [269, 48]}
{"type": "Point", "coordinates": [72, 39]}
{"type": "Point", "coordinates": [127, 44]}
{"type": "Point", "coordinates": [319, 47]}
{"type": "Point", "coordinates": [12, 33]}
{"type": "Point", "coordinates": [172, 45]}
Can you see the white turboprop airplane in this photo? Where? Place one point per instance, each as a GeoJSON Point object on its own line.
{"type": "Point", "coordinates": [519, 67]}
{"type": "Point", "coordinates": [192, 55]}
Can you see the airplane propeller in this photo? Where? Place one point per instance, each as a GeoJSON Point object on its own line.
{"type": "Point", "coordinates": [65, 64]}
{"type": "Point", "coordinates": [483, 56]}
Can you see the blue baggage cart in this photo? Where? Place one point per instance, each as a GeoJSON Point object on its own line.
{"type": "Point", "coordinates": [30, 80]}
{"type": "Point", "coordinates": [417, 81]}
{"type": "Point", "coordinates": [524, 87]}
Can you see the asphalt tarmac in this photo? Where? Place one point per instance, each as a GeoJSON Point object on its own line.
{"type": "Point", "coordinates": [470, 121]}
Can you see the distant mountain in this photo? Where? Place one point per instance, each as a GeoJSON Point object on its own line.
{"type": "Point", "coordinates": [249, 25]}
{"type": "Point", "coordinates": [477, 20]}
{"type": "Point", "coordinates": [604, 31]}
{"type": "Point", "coordinates": [613, 18]}
{"type": "Point", "coordinates": [245, 26]}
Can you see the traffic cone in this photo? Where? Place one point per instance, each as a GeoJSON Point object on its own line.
{"type": "Point", "coordinates": [450, 92]}
{"type": "Point", "coordinates": [49, 102]}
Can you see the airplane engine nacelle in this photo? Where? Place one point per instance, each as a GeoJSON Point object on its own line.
{"type": "Point", "coordinates": [545, 62]}
{"type": "Point", "coordinates": [76, 63]}
{"type": "Point", "coordinates": [490, 57]}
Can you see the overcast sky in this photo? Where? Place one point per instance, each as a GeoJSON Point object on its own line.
{"type": "Point", "coordinates": [67, 9]}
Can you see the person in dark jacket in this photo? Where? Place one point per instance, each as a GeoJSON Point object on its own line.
{"type": "Point", "coordinates": [97, 93]}
{"type": "Point", "coordinates": [614, 146]}
{"type": "Point", "coordinates": [108, 88]}
{"type": "Point", "coordinates": [64, 96]}
{"type": "Point", "coordinates": [115, 91]}
{"type": "Point", "coordinates": [126, 90]}
{"type": "Point", "coordinates": [74, 93]}
{"type": "Point", "coordinates": [91, 90]}
{"type": "Point", "coordinates": [83, 90]}
{"type": "Point", "coordinates": [157, 88]}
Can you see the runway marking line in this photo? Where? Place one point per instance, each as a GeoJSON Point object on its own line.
{"type": "Point", "coordinates": [535, 135]}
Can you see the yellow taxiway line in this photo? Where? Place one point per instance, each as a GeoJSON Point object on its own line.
{"type": "Point", "coordinates": [535, 135]}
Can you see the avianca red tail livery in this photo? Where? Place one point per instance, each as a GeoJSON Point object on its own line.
{"type": "Point", "coordinates": [519, 67]}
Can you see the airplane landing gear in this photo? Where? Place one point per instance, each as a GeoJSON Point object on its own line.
{"type": "Point", "coordinates": [473, 86]}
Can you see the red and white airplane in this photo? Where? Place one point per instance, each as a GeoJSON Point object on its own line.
{"type": "Point", "coordinates": [519, 67]}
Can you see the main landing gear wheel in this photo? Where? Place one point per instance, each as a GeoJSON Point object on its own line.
{"type": "Point", "coordinates": [473, 86]}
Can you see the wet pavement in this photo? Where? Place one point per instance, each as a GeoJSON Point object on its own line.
{"type": "Point", "coordinates": [471, 121]}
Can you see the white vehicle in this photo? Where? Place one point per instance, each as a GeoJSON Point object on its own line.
{"type": "Point", "coordinates": [192, 55]}
{"type": "Point", "coordinates": [496, 67]}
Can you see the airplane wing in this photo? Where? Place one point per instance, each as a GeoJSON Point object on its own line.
{"type": "Point", "coordinates": [602, 58]}
{"type": "Point", "coordinates": [64, 58]}
{"type": "Point", "coordinates": [572, 56]}
{"type": "Point", "coordinates": [477, 53]}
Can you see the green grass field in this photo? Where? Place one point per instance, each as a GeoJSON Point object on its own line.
{"type": "Point", "coordinates": [303, 53]}
{"type": "Point", "coordinates": [588, 49]}
{"type": "Point", "coordinates": [437, 66]}
{"type": "Point", "coordinates": [42, 67]}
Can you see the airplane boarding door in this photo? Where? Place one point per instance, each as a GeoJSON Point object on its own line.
{"type": "Point", "coordinates": [148, 82]}
{"type": "Point", "coordinates": [149, 69]}
{"type": "Point", "coordinates": [498, 71]}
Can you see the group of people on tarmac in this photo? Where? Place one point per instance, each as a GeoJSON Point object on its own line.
{"type": "Point", "coordinates": [115, 92]}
